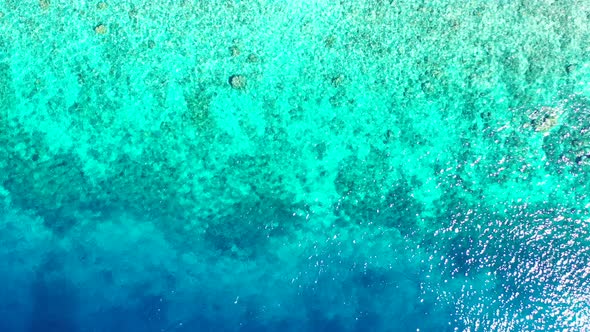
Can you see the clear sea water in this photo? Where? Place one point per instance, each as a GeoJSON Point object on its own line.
{"type": "Point", "coordinates": [294, 165]}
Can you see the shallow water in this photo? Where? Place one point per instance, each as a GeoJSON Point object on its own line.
{"type": "Point", "coordinates": [263, 165]}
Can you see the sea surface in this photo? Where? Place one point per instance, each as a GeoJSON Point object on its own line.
{"type": "Point", "coordinates": [294, 165]}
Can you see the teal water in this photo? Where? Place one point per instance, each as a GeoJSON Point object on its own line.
{"type": "Point", "coordinates": [294, 165]}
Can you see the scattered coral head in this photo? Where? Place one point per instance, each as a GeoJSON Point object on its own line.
{"type": "Point", "coordinates": [545, 118]}
{"type": "Point", "coordinates": [237, 81]}
{"type": "Point", "coordinates": [100, 29]}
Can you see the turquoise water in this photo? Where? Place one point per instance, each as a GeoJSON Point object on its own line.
{"type": "Point", "coordinates": [294, 165]}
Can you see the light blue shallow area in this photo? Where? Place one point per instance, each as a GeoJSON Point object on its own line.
{"type": "Point", "coordinates": [262, 165]}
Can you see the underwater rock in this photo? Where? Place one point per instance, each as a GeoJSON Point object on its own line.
{"type": "Point", "coordinates": [337, 80]}
{"type": "Point", "coordinates": [252, 58]}
{"type": "Point", "coordinates": [237, 82]}
{"type": "Point", "coordinates": [569, 144]}
{"type": "Point", "coordinates": [100, 29]}
{"type": "Point", "coordinates": [330, 41]}
{"type": "Point", "coordinates": [583, 157]}
{"type": "Point", "coordinates": [234, 51]}
{"type": "Point", "coordinates": [570, 68]}
{"type": "Point", "coordinates": [545, 118]}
